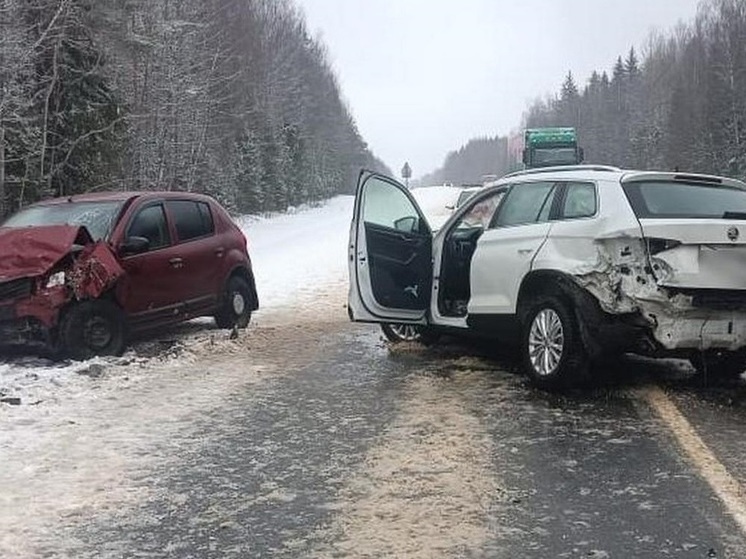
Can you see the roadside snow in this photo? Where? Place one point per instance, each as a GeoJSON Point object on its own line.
{"type": "Point", "coordinates": [296, 252]}
{"type": "Point", "coordinates": [434, 202]}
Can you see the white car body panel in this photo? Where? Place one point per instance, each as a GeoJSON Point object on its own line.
{"type": "Point", "coordinates": [501, 260]}
{"type": "Point", "coordinates": [707, 258]}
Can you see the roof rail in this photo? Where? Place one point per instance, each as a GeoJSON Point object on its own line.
{"type": "Point", "coordinates": [563, 168]}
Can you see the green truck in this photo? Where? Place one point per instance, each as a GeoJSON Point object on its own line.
{"type": "Point", "coordinates": [549, 147]}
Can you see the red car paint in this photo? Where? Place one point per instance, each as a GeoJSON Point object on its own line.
{"type": "Point", "coordinates": [179, 279]}
{"type": "Point", "coordinates": [33, 251]}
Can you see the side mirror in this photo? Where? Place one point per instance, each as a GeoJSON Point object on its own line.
{"type": "Point", "coordinates": [407, 224]}
{"type": "Point", "coordinates": [134, 245]}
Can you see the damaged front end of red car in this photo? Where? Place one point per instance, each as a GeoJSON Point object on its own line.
{"type": "Point", "coordinates": [43, 270]}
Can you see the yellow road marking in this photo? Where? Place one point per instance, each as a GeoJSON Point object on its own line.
{"type": "Point", "coordinates": [725, 486]}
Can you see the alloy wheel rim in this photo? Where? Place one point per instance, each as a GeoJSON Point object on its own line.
{"type": "Point", "coordinates": [546, 342]}
{"type": "Point", "coordinates": [239, 304]}
{"type": "Point", "coordinates": [406, 332]}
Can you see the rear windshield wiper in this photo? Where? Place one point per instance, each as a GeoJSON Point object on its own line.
{"type": "Point", "coordinates": [734, 215]}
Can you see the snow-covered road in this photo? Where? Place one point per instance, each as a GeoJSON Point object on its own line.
{"type": "Point", "coordinates": [294, 253]}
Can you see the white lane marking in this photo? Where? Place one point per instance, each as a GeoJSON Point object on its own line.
{"type": "Point", "coordinates": [725, 486]}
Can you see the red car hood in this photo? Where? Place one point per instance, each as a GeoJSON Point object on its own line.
{"type": "Point", "coordinates": [33, 251]}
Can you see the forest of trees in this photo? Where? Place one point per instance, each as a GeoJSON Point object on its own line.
{"type": "Point", "coordinates": [472, 162]}
{"type": "Point", "coordinates": [228, 97]}
{"type": "Point", "coordinates": [680, 103]}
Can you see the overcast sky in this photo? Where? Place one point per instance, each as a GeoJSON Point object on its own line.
{"type": "Point", "coordinates": [422, 77]}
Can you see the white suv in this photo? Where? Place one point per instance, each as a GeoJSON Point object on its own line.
{"type": "Point", "coordinates": [573, 263]}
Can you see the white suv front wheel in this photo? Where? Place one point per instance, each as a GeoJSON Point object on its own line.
{"type": "Point", "coordinates": [397, 333]}
{"type": "Point", "coordinates": [553, 353]}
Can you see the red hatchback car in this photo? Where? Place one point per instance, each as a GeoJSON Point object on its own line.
{"type": "Point", "coordinates": [82, 273]}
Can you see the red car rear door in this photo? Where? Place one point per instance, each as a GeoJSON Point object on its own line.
{"type": "Point", "coordinates": [201, 251]}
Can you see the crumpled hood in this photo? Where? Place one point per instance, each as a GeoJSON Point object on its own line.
{"type": "Point", "coordinates": [33, 251]}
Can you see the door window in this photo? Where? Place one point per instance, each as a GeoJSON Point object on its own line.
{"type": "Point", "coordinates": [580, 200]}
{"type": "Point", "coordinates": [526, 203]}
{"type": "Point", "coordinates": [151, 223]}
{"type": "Point", "coordinates": [387, 206]}
{"type": "Point", "coordinates": [481, 214]}
{"type": "Point", "coordinates": [191, 219]}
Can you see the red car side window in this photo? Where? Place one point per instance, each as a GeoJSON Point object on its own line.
{"type": "Point", "coordinates": [151, 224]}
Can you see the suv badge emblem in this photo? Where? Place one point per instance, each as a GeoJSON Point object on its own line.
{"type": "Point", "coordinates": [733, 233]}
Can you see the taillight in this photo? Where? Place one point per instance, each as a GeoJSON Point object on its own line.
{"type": "Point", "coordinates": [660, 245]}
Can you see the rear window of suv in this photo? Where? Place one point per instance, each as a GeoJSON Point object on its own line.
{"type": "Point", "coordinates": [675, 199]}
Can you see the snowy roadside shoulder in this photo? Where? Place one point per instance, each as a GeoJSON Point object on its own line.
{"type": "Point", "coordinates": [34, 381]}
{"type": "Point", "coordinates": [437, 203]}
{"type": "Point", "coordinates": [297, 253]}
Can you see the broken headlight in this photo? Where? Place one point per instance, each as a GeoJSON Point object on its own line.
{"type": "Point", "coordinates": [55, 280]}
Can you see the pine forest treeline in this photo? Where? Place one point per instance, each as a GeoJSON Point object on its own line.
{"type": "Point", "coordinates": [471, 163]}
{"type": "Point", "coordinates": [677, 104]}
{"type": "Point", "coordinates": [228, 97]}
{"type": "Point", "coordinates": [681, 105]}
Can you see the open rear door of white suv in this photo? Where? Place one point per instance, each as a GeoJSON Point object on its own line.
{"type": "Point", "coordinates": [390, 254]}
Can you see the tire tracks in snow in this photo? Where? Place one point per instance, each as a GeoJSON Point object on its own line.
{"type": "Point", "coordinates": [425, 489]}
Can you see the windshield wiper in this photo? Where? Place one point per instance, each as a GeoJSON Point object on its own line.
{"type": "Point", "coordinates": [734, 215]}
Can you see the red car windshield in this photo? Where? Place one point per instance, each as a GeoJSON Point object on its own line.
{"type": "Point", "coordinates": [97, 217]}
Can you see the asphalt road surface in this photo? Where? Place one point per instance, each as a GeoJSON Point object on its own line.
{"type": "Point", "coordinates": [312, 437]}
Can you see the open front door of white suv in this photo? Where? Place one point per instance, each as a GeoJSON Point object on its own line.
{"type": "Point", "coordinates": [390, 254]}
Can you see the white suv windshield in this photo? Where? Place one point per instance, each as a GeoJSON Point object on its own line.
{"type": "Point", "coordinates": [97, 217]}
{"type": "Point", "coordinates": [674, 199]}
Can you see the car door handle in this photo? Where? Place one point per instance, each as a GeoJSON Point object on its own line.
{"type": "Point", "coordinates": [525, 250]}
{"type": "Point", "coordinates": [219, 252]}
{"type": "Point", "coordinates": [176, 262]}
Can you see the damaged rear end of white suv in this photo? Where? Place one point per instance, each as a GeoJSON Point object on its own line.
{"type": "Point", "coordinates": [673, 281]}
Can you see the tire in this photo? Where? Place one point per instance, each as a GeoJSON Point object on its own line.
{"type": "Point", "coordinates": [235, 310]}
{"type": "Point", "coordinates": [719, 365]}
{"type": "Point", "coordinates": [552, 351]}
{"type": "Point", "coordinates": [92, 328]}
{"type": "Point", "coordinates": [397, 333]}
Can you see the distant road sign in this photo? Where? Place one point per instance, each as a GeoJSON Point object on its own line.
{"type": "Point", "coordinates": [406, 171]}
